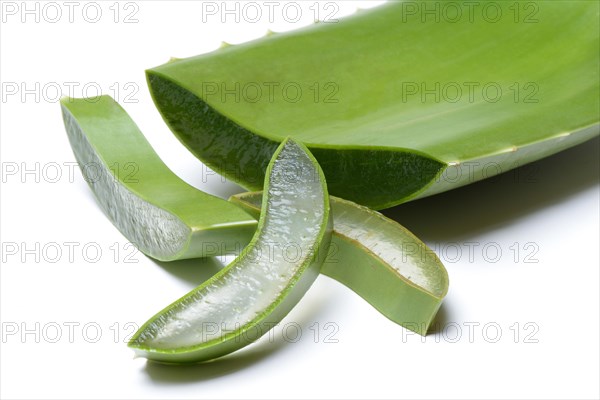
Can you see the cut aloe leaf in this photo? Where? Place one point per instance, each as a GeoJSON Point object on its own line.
{"type": "Point", "coordinates": [162, 215]}
{"type": "Point", "coordinates": [395, 103]}
{"type": "Point", "coordinates": [380, 260]}
{"type": "Point", "coordinates": [254, 292]}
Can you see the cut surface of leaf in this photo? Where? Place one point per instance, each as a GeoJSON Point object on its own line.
{"type": "Point", "coordinates": [380, 260]}
{"type": "Point", "coordinates": [393, 105]}
{"type": "Point", "coordinates": [162, 215]}
{"type": "Point", "coordinates": [254, 292]}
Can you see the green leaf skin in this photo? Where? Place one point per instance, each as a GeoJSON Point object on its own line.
{"type": "Point", "coordinates": [378, 144]}
{"type": "Point", "coordinates": [162, 215]}
{"type": "Point", "coordinates": [253, 293]}
{"type": "Point", "coordinates": [380, 260]}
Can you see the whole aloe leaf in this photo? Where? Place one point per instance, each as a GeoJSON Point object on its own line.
{"type": "Point", "coordinates": [395, 105]}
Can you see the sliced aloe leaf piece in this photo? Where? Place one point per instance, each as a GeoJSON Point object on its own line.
{"type": "Point", "coordinates": [162, 215]}
{"type": "Point", "coordinates": [380, 260]}
{"type": "Point", "coordinates": [393, 102]}
{"type": "Point", "coordinates": [253, 293]}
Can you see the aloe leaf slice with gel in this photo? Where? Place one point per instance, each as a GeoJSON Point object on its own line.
{"type": "Point", "coordinates": [162, 215]}
{"type": "Point", "coordinates": [393, 102]}
{"type": "Point", "coordinates": [253, 293]}
{"type": "Point", "coordinates": [355, 264]}
{"type": "Point", "coordinates": [380, 260]}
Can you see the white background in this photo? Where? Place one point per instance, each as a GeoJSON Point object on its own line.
{"type": "Point", "coordinates": [533, 309]}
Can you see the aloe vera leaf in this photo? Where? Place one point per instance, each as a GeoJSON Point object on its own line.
{"type": "Point", "coordinates": [379, 145]}
{"type": "Point", "coordinates": [162, 215]}
{"type": "Point", "coordinates": [380, 260]}
{"type": "Point", "coordinates": [253, 293]}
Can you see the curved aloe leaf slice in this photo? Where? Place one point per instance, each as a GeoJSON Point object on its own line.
{"type": "Point", "coordinates": [162, 215]}
{"type": "Point", "coordinates": [380, 260]}
{"type": "Point", "coordinates": [379, 103]}
{"type": "Point", "coordinates": [254, 292]}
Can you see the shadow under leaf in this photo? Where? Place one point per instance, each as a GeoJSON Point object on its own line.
{"type": "Point", "coordinates": [497, 201]}
{"type": "Point", "coordinates": [193, 373]}
{"type": "Point", "coordinates": [195, 270]}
